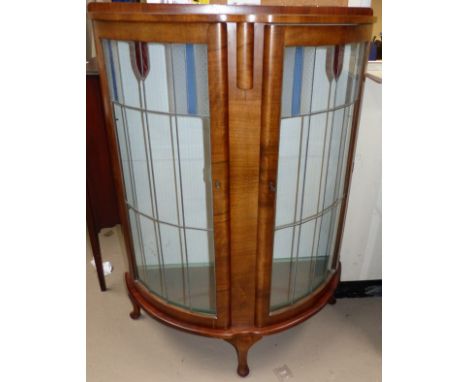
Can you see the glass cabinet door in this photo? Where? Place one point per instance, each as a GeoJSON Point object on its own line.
{"type": "Point", "coordinates": [159, 93]}
{"type": "Point", "coordinates": [309, 103]}
{"type": "Point", "coordinates": [319, 90]}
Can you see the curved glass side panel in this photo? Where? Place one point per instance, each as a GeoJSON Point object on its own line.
{"type": "Point", "coordinates": [320, 88]}
{"type": "Point", "coordinates": [159, 94]}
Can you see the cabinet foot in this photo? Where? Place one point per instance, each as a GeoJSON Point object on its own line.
{"type": "Point", "coordinates": [332, 300]}
{"type": "Point", "coordinates": [242, 343]}
{"type": "Point", "coordinates": [136, 312]}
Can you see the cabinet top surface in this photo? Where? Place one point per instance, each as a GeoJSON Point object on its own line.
{"type": "Point", "coordinates": [142, 12]}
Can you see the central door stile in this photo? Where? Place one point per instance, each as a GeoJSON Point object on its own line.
{"type": "Point", "coordinates": [271, 108]}
{"type": "Point", "coordinates": [244, 153]}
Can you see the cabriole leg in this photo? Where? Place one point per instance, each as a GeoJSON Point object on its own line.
{"type": "Point", "coordinates": [242, 343]}
{"type": "Point", "coordinates": [135, 313]}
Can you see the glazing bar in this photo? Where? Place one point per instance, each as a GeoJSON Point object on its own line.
{"type": "Point", "coordinates": [304, 179]}
{"type": "Point", "coordinates": [331, 232]}
{"type": "Point", "coordinates": [209, 212]}
{"type": "Point", "coordinates": [312, 217]}
{"type": "Point", "coordinates": [183, 215]}
{"type": "Point", "coordinates": [324, 166]}
{"type": "Point", "coordinates": [183, 246]}
{"type": "Point", "coordinates": [132, 176]}
{"type": "Point", "coordinates": [346, 152]}
{"type": "Point", "coordinates": [163, 112]}
{"type": "Point", "coordinates": [341, 177]}
{"type": "Point", "coordinates": [146, 144]}
{"type": "Point", "coordinates": [129, 205]}
{"type": "Point", "coordinates": [312, 113]}
{"type": "Point", "coordinates": [326, 176]}
{"type": "Point", "coordinates": [293, 242]}
{"type": "Point", "coordinates": [154, 201]}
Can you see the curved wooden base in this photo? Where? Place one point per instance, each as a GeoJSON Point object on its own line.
{"type": "Point", "coordinates": [241, 338]}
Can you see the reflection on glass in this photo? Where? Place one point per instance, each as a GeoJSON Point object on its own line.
{"type": "Point", "coordinates": [320, 87]}
{"type": "Point", "coordinates": [160, 98]}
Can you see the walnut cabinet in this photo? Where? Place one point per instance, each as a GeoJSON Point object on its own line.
{"type": "Point", "coordinates": [232, 131]}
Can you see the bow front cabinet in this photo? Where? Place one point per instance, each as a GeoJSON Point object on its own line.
{"type": "Point", "coordinates": [232, 131]}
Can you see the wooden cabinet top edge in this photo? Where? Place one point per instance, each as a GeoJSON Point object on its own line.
{"type": "Point", "coordinates": [228, 13]}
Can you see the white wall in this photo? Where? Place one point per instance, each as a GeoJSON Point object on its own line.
{"type": "Point", "coordinates": [359, 3]}
{"type": "Point", "coordinates": [361, 251]}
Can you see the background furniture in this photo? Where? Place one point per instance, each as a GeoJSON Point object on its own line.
{"type": "Point", "coordinates": [101, 200]}
{"type": "Point", "coordinates": [232, 132]}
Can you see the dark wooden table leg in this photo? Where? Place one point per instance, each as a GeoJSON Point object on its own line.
{"type": "Point", "coordinates": [94, 239]}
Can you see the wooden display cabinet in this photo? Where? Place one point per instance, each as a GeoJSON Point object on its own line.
{"type": "Point", "coordinates": [232, 132]}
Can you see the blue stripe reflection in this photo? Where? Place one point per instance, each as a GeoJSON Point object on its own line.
{"type": "Point", "coordinates": [191, 80]}
{"type": "Point", "coordinates": [111, 61]}
{"type": "Point", "coordinates": [297, 81]}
